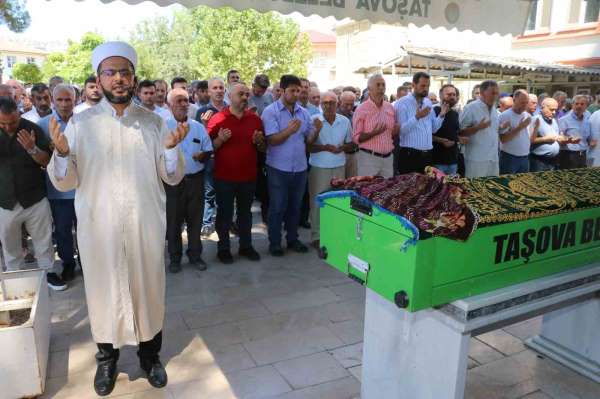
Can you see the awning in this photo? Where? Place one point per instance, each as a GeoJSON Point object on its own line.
{"type": "Point", "coordinates": [501, 16]}
{"type": "Point", "coordinates": [439, 62]}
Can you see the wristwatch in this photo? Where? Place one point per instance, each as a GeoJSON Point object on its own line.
{"type": "Point", "coordinates": [33, 151]}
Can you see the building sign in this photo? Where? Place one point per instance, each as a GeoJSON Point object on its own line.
{"type": "Point", "coordinates": [504, 17]}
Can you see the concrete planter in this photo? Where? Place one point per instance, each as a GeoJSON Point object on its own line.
{"type": "Point", "coordinates": [24, 348]}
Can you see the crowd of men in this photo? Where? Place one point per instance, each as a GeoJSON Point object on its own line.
{"type": "Point", "coordinates": [280, 144]}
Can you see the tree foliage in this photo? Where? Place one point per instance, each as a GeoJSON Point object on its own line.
{"type": "Point", "coordinates": [14, 15]}
{"type": "Point", "coordinates": [27, 73]}
{"type": "Point", "coordinates": [206, 42]}
{"type": "Point", "coordinates": [74, 65]}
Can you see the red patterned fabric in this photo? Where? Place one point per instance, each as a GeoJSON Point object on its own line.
{"type": "Point", "coordinates": [431, 204]}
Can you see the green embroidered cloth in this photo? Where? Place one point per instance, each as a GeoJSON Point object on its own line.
{"type": "Point", "coordinates": [523, 196]}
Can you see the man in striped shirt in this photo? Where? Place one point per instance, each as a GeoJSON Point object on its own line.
{"type": "Point", "coordinates": [413, 113]}
{"type": "Point", "coordinates": [374, 127]}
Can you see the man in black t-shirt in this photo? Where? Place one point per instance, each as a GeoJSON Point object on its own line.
{"type": "Point", "coordinates": [446, 139]}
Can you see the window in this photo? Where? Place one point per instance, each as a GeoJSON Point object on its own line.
{"type": "Point", "coordinates": [11, 60]}
{"type": "Point", "coordinates": [30, 60]}
{"type": "Point", "coordinates": [531, 21]}
{"type": "Point", "coordinates": [592, 10]}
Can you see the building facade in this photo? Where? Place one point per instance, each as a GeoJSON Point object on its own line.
{"type": "Point", "coordinates": [12, 53]}
{"type": "Point", "coordinates": [322, 66]}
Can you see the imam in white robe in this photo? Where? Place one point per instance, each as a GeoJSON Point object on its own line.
{"type": "Point", "coordinates": [117, 165]}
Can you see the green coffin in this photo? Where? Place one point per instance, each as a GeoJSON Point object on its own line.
{"type": "Point", "coordinates": [389, 255]}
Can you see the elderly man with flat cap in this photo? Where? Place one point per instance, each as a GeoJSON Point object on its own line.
{"type": "Point", "coordinates": [117, 156]}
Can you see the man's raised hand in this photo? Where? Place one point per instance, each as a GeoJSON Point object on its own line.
{"type": "Point", "coordinates": [59, 140]}
{"type": "Point", "coordinates": [177, 136]}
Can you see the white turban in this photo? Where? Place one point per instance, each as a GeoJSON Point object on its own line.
{"type": "Point", "coordinates": [113, 49]}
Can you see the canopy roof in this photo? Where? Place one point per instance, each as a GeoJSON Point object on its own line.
{"type": "Point", "coordinates": [491, 16]}
{"type": "Point", "coordinates": [441, 62]}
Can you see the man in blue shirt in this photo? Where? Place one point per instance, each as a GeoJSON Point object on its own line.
{"type": "Point", "coordinates": [576, 127]}
{"type": "Point", "coordinates": [216, 103]}
{"type": "Point", "coordinates": [288, 128]}
{"type": "Point", "coordinates": [185, 201]}
{"type": "Point", "coordinates": [62, 204]}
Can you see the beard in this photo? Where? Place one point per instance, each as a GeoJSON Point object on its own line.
{"type": "Point", "coordinates": [118, 99]}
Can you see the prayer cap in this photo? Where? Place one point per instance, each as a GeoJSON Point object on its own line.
{"type": "Point", "coordinates": [113, 49]}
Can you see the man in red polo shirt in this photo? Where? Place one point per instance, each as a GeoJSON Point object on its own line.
{"type": "Point", "coordinates": [237, 134]}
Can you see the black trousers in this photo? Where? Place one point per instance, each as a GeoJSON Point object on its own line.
{"type": "Point", "coordinates": [241, 194]}
{"type": "Point", "coordinates": [411, 160]}
{"type": "Point", "coordinates": [185, 203]}
{"type": "Point", "coordinates": [572, 159]}
{"type": "Point", "coordinates": [147, 351]}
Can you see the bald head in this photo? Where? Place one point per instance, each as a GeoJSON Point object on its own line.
{"type": "Point", "coordinates": [549, 107]}
{"type": "Point", "coordinates": [17, 87]}
{"type": "Point", "coordinates": [520, 101]}
{"type": "Point", "coordinates": [505, 103]}
{"type": "Point", "coordinates": [347, 100]}
{"type": "Point", "coordinates": [533, 102]}
{"type": "Point", "coordinates": [7, 91]}
{"type": "Point", "coordinates": [329, 103]}
{"type": "Point", "coordinates": [314, 96]}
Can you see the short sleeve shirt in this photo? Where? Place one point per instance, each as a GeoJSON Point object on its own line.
{"type": "Point", "coordinates": [197, 140]}
{"type": "Point", "coordinates": [337, 134]}
{"type": "Point", "coordinates": [483, 145]}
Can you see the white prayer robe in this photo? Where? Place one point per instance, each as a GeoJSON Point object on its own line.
{"type": "Point", "coordinates": [116, 164]}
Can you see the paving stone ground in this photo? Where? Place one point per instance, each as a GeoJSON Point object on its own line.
{"type": "Point", "coordinates": [287, 328]}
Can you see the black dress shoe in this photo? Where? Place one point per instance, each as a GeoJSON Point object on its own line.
{"type": "Point", "coordinates": [304, 224]}
{"type": "Point", "coordinates": [198, 264]}
{"type": "Point", "coordinates": [106, 376]}
{"type": "Point", "coordinates": [224, 255]}
{"type": "Point", "coordinates": [276, 251]}
{"type": "Point", "coordinates": [156, 373]}
{"type": "Point", "coordinates": [249, 253]}
{"type": "Point", "coordinates": [297, 246]}
{"type": "Point", "coordinates": [68, 272]}
{"type": "Point", "coordinates": [175, 267]}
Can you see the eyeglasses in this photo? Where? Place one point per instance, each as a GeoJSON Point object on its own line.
{"type": "Point", "coordinates": [109, 73]}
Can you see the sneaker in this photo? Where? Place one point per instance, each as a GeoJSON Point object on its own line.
{"type": "Point", "coordinates": [55, 282]}
{"type": "Point", "coordinates": [175, 267]}
{"type": "Point", "coordinates": [225, 256]}
{"type": "Point", "coordinates": [297, 246]}
{"type": "Point", "coordinates": [198, 264]}
{"type": "Point", "coordinates": [276, 251]}
{"type": "Point", "coordinates": [207, 230]}
{"type": "Point", "coordinates": [249, 253]}
{"type": "Point", "coordinates": [68, 272]}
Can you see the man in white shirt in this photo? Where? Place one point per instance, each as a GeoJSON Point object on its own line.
{"type": "Point", "coordinates": [545, 138]}
{"type": "Point", "coordinates": [327, 156]}
{"type": "Point", "coordinates": [117, 155]}
{"type": "Point", "coordinates": [92, 95]}
{"type": "Point", "coordinates": [42, 101]}
{"type": "Point", "coordinates": [479, 122]}
{"type": "Point", "coordinates": [146, 92]}
{"type": "Point", "coordinates": [514, 135]}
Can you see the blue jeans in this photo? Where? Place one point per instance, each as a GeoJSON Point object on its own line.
{"type": "Point", "coordinates": [210, 194]}
{"type": "Point", "coordinates": [63, 213]}
{"type": "Point", "coordinates": [447, 169]}
{"type": "Point", "coordinates": [286, 190]}
{"type": "Point", "coordinates": [510, 164]}
{"type": "Point", "coordinates": [540, 164]}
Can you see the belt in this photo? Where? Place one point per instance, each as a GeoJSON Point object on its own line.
{"type": "Point", "coordinates": [582, 152]}
{"type": "Point", "coordinates": [543, 158]}
{"type": "Point", "coordinates": [415, 150]}
{"type": "Point", "coordinates": [375, 153]}
{"type": "Point", "coordinates": [352, 152]}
